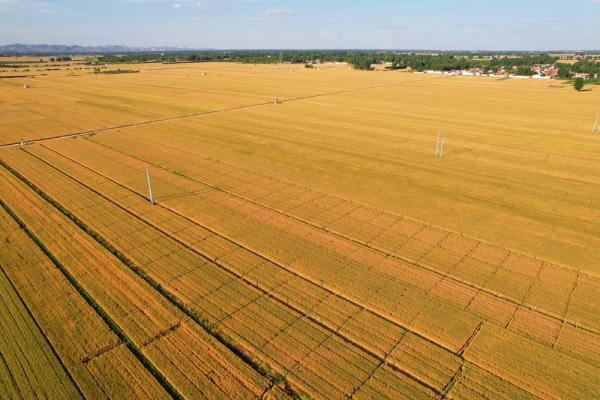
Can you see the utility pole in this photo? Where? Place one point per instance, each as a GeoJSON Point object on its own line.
{"type": "Point", "coordinates": [149, 186]}
{"type": "Point", "coordinates": [439, 148]}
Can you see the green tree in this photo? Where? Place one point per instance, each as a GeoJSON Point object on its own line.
{"type": "Point", "coordinates": [563, 72]}
{"type": "Point", "coordinates": [524, 70]}
{"type": "Point", "coordinates": [578, 84]}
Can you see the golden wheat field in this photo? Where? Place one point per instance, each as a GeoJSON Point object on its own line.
{"type": "Point", "coordinates": [305, 240]}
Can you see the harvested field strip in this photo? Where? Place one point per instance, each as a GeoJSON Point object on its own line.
{"type": "Point", "coordinates": [29, 365]}
{"type": "Point", "coordinates": [332, 331]}
{"type": "Point", "coordinates": [140, 206]}
{"type": "Point", "coordinates": [421, 261]}
{"type": "Point", "coordinates": [244, 383]}
{"type": "Point", "coordinates": [54, 302]}
{"type": "Point", "coordinates": [475, 306]}
{"type": "Point", "coordinates": [99, 310]}
{"type": "Point", "coordinates": [197, 114]}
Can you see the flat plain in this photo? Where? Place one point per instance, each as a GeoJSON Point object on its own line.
{"type": "Point", "coordinates": [310, 246]}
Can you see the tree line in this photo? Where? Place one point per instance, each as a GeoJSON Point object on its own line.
{"type": "Point", "coordinates": [519, 63]}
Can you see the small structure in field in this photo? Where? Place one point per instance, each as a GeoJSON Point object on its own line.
{"type": "Point", "coordinates": [597, 124]}
{"type": "Point", "coordinates": [439, 149]}
{"type": "Point", "coordinates": [149, 181]}
{"type": "Point", "coordinates": [26, 86]}
{"type": "Point", "coordinates": [276, 100]}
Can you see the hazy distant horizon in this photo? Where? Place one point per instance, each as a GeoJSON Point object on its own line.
{"type": "Point", "coordinates": [185, 49]}
{"type": "Point", "coordinates": [525, 25]}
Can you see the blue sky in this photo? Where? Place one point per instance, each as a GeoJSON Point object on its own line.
{"type": "Point", "coordinates": [225, 24]}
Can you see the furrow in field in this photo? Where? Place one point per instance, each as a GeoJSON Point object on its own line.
{"type": "Point", "coordinates": [101, 388]}
{"type": "Point", "coordinates": [75, 330]}
{"type": "Point", "coordinates": [133, 304]}
{"type": "Point", "coordinates": [29, 366]}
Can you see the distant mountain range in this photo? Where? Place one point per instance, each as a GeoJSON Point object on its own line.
{"type": "Point", "coordinates": [55, 49]}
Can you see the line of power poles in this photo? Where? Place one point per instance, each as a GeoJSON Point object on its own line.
{"type": "Point", "coordinates": [439, 151]}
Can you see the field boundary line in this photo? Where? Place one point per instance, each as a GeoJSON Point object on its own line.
{"type": "Point", "coordinates": [263, 370]}
{"type": "Point", "coordinates": [115, 328]}
{"type": "Point", "coordinates": [93, 132]}
{"type": "Point", "coordinates": [567, 308]}
{"type": "Point", "coordinates": [344, 236]}
{"type": "Point", "coordinates": [470, 339]}
{"type": "Point", "coordinates": [99, 353]}
{"type": "Point", "coordinates": [452, 382]}
{"type": "Point", "coordinates": [43, 334]}
{"type": "Point", "coordinates": [11, 376]}
{"type": "Point", "coordinates": [164, 333]}
{"type": "Point", "coordinates": [258, 287]}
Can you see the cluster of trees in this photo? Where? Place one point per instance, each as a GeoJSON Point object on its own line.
{"type": "Point", "coordinates": [246, 56]}
{"type": "Point", "coordinates": [98, 70]}
{"type": "Point", "coordinates": [565, 71]}
{"type": "Point", "coordinates": [359, 59]}
{"type": "Point", "coordinates": [58, 59]}
{"type": "Point", "coordinates": [446, 62]}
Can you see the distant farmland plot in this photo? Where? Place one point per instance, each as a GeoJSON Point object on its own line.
{"type": "Point", "coordinates": [311, 247]}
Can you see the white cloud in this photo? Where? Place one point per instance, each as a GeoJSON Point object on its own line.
{"type": "Point", "coordinates": [277, 13]}
{"type": "Point", "coordinates": [31, 6]}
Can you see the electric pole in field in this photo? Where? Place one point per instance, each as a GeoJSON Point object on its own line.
{"type": "Point", "coordinates": [149, 186]}
{"type": "Point", "coordinates": [439, 148]}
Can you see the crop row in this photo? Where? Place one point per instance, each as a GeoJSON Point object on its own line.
{"type": "Point", "coordinates": [510, 279]}
{"type": "Point", "coordinates": [29, 368]}
{"type": "Point", "coordinates": [482, 303]}
{"type": "Point", "coordinates": [164, 270]}
{"type": "Point", "coordinates": [140, 207]}
{"type": "Point", "coordinates": [453, 255]}
{"type": "Point", "coordinates": [214, 214]}
{"type": "Point", "coordinates": [141, 315]}
{"type": "Point", "coordinates": [81, 339]}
